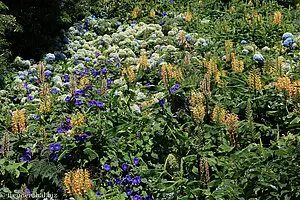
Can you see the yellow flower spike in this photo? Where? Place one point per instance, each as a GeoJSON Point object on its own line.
{"type": "Point", "coordinates": [152, 13]}
{"type": "Point", "coordinates": [197, 104]}
{"type": "Point", "coordinates": [188, 16]}
{"type": "Point", "coordinates": [237, 65]}
{"type": "Point", "coordinates": [135, 12]}
{"type": "Point", "coordinates": [19, 121]}
{"type": "Point", "coordinates": [219, 114]}
{"type": "Point", "coordinates": [254, 81]}
{"type": "Point", "coordinates": [77, 182]}
{"type": "Point", "coordinates": [277, 19]}
{"type": "Point", "coordinates": [284, 84]}
{"type": "Point", "coordinates": [144, 62]}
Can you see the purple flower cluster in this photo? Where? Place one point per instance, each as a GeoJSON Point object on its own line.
{"type": "Point", "coordinates": [127, 181]}
{"type": "Point", "coordinates": [64, 127]}
{"type": "Point", "coordinates": [174, 88]}
{"type": "Point", "coordinates": [26, 157]}
{"type": "Point", "coordinates": [82, 137]}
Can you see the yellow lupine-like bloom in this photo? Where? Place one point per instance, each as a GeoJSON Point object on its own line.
{"type": "Point", "coordinates": [19, 121]}
{"type": "Point", "coordinates": [219, 114]}
{"type": "Point", "coordinates": [83, 81]}
{"type": "Point", "coordinates": [188, 16]}
{"type": "Point", "coordinates": [77, 182]}
{"type": "Point", "coordinates": [277, 20]}
{"type": "Point", "coordinates": [152, 13]}
{"type": "Point", "coordinates": [296, 88]}
{"type": "Point", "coordinates": [169, 72]}
{"type": "Point", "coordinates": [232, 123]}
{"type": "Point", "coordinates": [197, 104]}
{"type": "Point", "coordinates": [45, 105]}
{"type": "Point", "coordinates": [78, 119]}
{"type": "Point", "coordinates": [283, 83]}
{"type": "Point", "coordinates": [228, 48]}
{"type": "Point", "coordinates": [144, 62]}
{"type": "Point", "coordinates": [199, 112]}
{"type": "Point", "coordinates": [237, 65]}
{"type": "Point", "coordinates": [254, 81]}
{"type": "Point", "coordinates": [129, 72]}
{"type": "Point", "coordinates": [212, 67]}
{"type": "Point", "coordinates": [135, 12]}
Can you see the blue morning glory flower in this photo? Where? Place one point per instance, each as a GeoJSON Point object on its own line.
{"type": "Point", "coordinates": [68, 98]}
{"type": "Point", "coordinates": [137, 197]}
{"type": "Point", "coordinates": [51, 147]}
{"type": "Point", "coordinates": [125, 166]}
{"type": "Point", "coordinates": [98, 194]}
{"type": "Point", "coordinates": [128, 192]}
{"type": "Point", "coordinates": [136, 161]}
{"type": "Point", "coordinates": [48, 73]}
{"type": "Point", "coordinates": [57, 147]}
{"type": "Point", "coordinates": [106, 167]}
{"type": "Point", "coordinates": [243, 42]}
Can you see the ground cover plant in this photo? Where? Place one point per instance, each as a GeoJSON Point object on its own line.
{"type": "Point", "coordinates": [158, 100]}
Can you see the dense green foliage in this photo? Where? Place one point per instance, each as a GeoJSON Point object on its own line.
{"type": "Point", "coordinates": [155, 100]}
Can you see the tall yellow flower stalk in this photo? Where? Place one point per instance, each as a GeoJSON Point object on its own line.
{"type": "Point", "coordinates": [129, 72]}
{"type": "Point", "coordinates": [232, 123]}
{"type": "Point", "coordinates": [228, 49]}
{"type": "Point", "coordinates": [19, 121]}
{"type": "Point", "coordinates": [135, 12]}
{"type": "Point", "coordinates": [152, 13]}
{"type": "Point", "coordinates": [254, 81]}
{"type": "Point", "coordinates": [144, 62]}
{"type": "Point", "coordinates": [46, 102]}
{"type": "Point", "coordinates": [169, 72]}
{"type": "Point", "coordinates": [188, 16]}
{"type": "Point", "coordinates": [277, 19]}
{"type": "Point", "coordinates": [219, 114]}
{"type": "Point", "coordinates": [237, 65]}
{"type": "Point", "coordinates": [198, 106]}
{"type": "Point", "coordinates": [212, 69]}
{"type": "Point", "coordinates": [77, 182]}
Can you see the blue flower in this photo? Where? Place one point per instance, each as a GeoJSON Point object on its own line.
{"type": "Point", "coordinates": [30, 98]}
{"type": "Point", "coordinates": [243, 42]}
{"type": "Point", "coordinates": [109, 183]}
{"type": "Point", "coordinates": [136, 161]}
{"type": "Point", "coordinates": [78, 102]}
{"type": "Point", "coordinates": [106, 167]}
{"type": "Point", "coordinates": [164, 14]}
{"type": "Point", "coordinates": [51, 147]}
{"type": "Point", "coordinates": [137, 197]}
{"type": "Point", "coordinates": [118, 181]}
{"type": "Point", "coordinates": [50, 57]}
{"type": "Point", "coordinates": [53, 156]}
{"type": "Point", "coordinates": [171, 1]}
{"type": "Point", "coordinates": [87, 59]}
{"type": "Point", "coordinates": [47, 73]}
{"type": "Point", "coordinates": [287, 35]}
{"type": "Point", "coordinates": [205, 44]}
{"type": "Point", "coordinates": [258, 57]}
{"type": "Point", "coordinates": [288, 42]}
{"type": "Point", "coordinates": [98, 194]}
{"type": "Point", "coordinates": [136, 180]}
{"type": "Point", "coordinates": [68, 98]}
{"type": "Point", "coordinates": [57, 147]}
{"type": "Point", "coordinates": [128, 192]}
{"type": "Point", "coordinates": [148, 198]}
{"type": "Point", "coordinates": [125, 166]}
